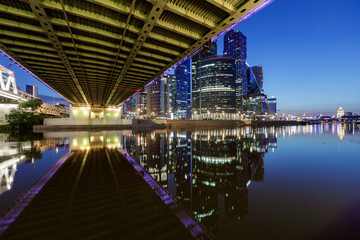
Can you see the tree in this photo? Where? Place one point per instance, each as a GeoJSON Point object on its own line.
{"type": "Point", "coordinates": [33, 104]}
{"type": "Point", "coordinates": [23, 119]}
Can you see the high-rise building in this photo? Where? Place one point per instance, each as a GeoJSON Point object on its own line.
{"type": "Point", "coordinates": [213, 93]}
{"type": "Point", "coordinates": [258, 104]}
{"type": "Point", "coordinates": [183, 102]}
{"type": "Point", "coordinates": [129, 108]}
{"type": "Point", "coordinates": [259, 77]}
{"type": "Point", "coordinates": [235, 45]}
{"type": "Point", "coordinates": [196, 58]}
{"type": "Point", "coordinates": [171, 88]}
{"type": "Point", "coordinates": [141, 102]}
{"type": "Point", "coordinates": [157, 98]}
{"type": "Point", "coordinates": [32, 90]}
{"type": "Point", "coordinates": [272, 105]}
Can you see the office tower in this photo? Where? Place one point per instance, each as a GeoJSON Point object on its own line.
{"type": "Point", "coordinates": [129, 107]}
{"type": "Point", "coordinates": [253, 85]}
{"type": "Point", "coordinates": [171, 88]}
{"type": "Point", "coordinates": [212, 52]}
{"type": "Point", "coordinates": [32, 90]}
{"type": "Point", "coordinates": [259, 77]}
{"type": "Point", "coordinates": [141, 102]}
{"type": "Point", "coordinates": [157, 98]}
{"type": "Point", "coordinates": [258, 104]}
{"type": "Point", "coordinates": [235, 45]}
{"type": "Point", "coordinates": [272, 105]}
{"type": "Point", "coordinates": [183, 103]}
{"type": "Point", "coordinates": [214, 95]}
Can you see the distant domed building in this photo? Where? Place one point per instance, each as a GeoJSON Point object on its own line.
{"type": "Point", "coordinates": [340, 112]}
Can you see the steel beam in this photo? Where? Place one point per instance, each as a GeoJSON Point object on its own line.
{"type": "Point", "coordinates": [41, 15]}
{"type": "Point", "coordinates": [188, 14]}
{"type": "Point", "coordinates": [155, 14]}
{"type": "Point", "coordinates": [223, 5]}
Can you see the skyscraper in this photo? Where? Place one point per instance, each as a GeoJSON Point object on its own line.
{"type": "Point", "coordinates": [183, 102]}
{"type": "Point", "coordinates": [272, 105]}
{"type": "Point", "coordinates": [235, 45]}
{"type": "Point", "coordinates": [32, 90]}
{"type": "Point", "coordinates": [171, 88]}
{"type": "Point", "coordinates": [254, 85]}
{"type": "Point", "coordinates": [196, 58]}
{"type": "Point", "coordinates": [156, 97]}
{"type": "Point", "coordinates": [259, 77]}
{"type": "Point", "coordinates": [258, 104]}
{"type": "Point", "coordinates": [141, 102]}
{"type": "Point", "coordinates": [214, 94]}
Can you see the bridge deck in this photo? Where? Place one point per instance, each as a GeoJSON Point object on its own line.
{"type": "Point", "coordinates": [96, 195]}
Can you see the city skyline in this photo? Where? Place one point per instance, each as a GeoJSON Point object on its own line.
{"type": "Point", "coordinates": [308, 60]}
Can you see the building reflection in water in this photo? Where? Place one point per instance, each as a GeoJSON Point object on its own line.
{"type": "Point", "coordinates": [208, 169]}
{"type": "Point", "coordinates": [199, 166]}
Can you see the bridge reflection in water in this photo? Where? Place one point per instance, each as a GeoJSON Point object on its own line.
{"type": "Point", "coordinates": [13, 153]}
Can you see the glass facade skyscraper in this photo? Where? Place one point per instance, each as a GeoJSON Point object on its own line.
{"type": "Point", "coordinates": [258, 104]}
{"type": "Point", "coordinates": [156, 96]}
{"type": "Point", "coordinates": [214, 86]}
{"type": "Point", "coordinates": [235, 45]}
{"type": "Point", "coordinates": [259, 77]}
{"type": "Point", "coordinates": [171, 88]}
{"type": "Point", "coordinates": [141, 102]}
{"type": "Point", "coordinates": [183, 102]}
{"type": "Point", "coordinates": [196, 58]}
{"type": "Point", "coordinates": [272, 105]}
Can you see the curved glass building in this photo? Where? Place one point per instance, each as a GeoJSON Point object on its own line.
{"type": "Point", "coordinates": [214, 88]}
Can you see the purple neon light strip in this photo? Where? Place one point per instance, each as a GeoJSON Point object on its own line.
{"type": "Point", "coordinates": [31, 73]}
{"type": "Point", "coordinates": [195, 228]}
{"type": "Point", "coordinates": [26, 198]}
{"type": "Point", "coordinates": [189, 56]}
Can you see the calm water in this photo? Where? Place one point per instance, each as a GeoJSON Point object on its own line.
{"type": "Point", "coordinates": [299, 182]}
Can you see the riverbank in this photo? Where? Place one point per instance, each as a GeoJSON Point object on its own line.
{"type": "Point", "coordinates": [144, 125]}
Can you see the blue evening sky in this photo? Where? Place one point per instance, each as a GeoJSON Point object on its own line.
{"type": "Point", "coordinates": [309, 51]}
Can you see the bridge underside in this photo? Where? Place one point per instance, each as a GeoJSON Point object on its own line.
{"type": "Point", "coordinates": [100, 52]}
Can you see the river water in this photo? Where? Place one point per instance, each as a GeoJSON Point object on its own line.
{"type": "Point", "coordinates": [296, 182]}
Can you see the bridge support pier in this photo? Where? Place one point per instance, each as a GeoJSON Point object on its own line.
{"type": "Point", "coordinates": [86, 118]}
